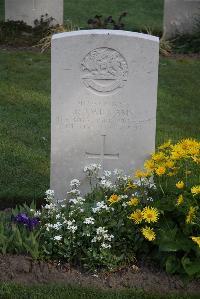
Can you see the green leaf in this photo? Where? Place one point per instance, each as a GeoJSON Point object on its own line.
{"type": "Point", "coordinates": [191, 267]}
{"type": "Point", "coordinates": [172, 264]}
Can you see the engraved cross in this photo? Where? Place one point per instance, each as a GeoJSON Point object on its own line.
{"type": "Point", "coordinates": [102, 155]}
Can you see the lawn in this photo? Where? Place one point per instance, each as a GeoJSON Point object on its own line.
{"type": "Point", "coordinates": [25, 117]}
{"type": "Point", "coordinates": [8, 291]}
{"type": "Point", "coordinates": [141, 13]}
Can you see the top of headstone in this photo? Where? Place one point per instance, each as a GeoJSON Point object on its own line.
{"type": "Point", "coordinates": [106, 32]}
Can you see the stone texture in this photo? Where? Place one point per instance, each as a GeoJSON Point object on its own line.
{"type": "Point", "coordinates": [30, 10]}
{"type": "Point", "coordinates": [180, 16]}
{"type": "Point", "coordinates": [104, 97]}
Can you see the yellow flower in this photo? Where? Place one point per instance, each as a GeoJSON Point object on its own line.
{"type": "Point", "coordinates": [130, 185]}
{"type": "Point", "coordinates": [139, 174]}
{"type": "Point", "coordinates": [133, 201]}
{"type": "Point", "coordinates": [165, 145]}
{"type": "Point", "coordinates": [191, 215]}
{"type": "Point", "coordinates": [136, 216]}
{"type": "Point", "coordinates": [142, 174]}
{"type": "Point", "coordinates": [148, 233]}
{"type": "Point", "coordinates": [150, 214]}
{"type": "Point", "coordinates": [195, 190]}
{"type": "Point", "coordinates": [180, 200]}
{"type": "Point", "coordinates": [196, 240]}
{"type": "Point", "coordinates": [158, 157]}
{"type": "Point", "coordinates": [160, 170]}
{"type": "Point", "coordinates": [169, 164]}
{"type": "Point", "coordinates": [149, 165]}
{"type": "Point", "coordinates": [113, 199]}
{"type": "Point", "coordinates": [180, 185]}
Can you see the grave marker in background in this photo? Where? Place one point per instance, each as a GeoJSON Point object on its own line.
{"type": "Point", "coordinates": [30, 10]}
{"type": "Point", "coordinates": [104, 97]}
{"type": "Point", "coordinates": [180, 16]}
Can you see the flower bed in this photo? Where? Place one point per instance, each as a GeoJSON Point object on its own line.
{"type": "Point", "coordinates": [152, 216]}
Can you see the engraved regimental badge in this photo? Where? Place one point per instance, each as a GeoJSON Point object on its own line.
{"type": "Point", "coordinates": [104, 71]}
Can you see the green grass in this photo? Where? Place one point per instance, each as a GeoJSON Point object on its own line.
{"type": "Point", "coordinates": [2, 9]}
{"type": "Point", "coordinates": [25, 117]}
{"type": "Point", "coordinates": [141, 13]}
{"type": "Point", "coordinates": [10, 291]}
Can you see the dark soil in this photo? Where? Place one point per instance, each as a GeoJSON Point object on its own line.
{"type": "Point", "coordinates": [23, 270]}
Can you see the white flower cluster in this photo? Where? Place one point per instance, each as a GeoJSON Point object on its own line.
{"type": "Point", "coordinates": [92, 169]}
{"type": "Point", "coordinates": [49, 195]}
{"type": "Point", "coordinates": [74, 184]}
{"type": "Point", "coordinates": [55, 226]}
{"type": "Point", "coordinates": [57, 238]}
{"type": "Point", "coordinates": [103, 236]}
{"type": "Point", "coordinates": [100, 205]}
{"type": "Point", "coordinates": [79, 200]}
{"type": "Point", "coordinates": [89, 220]}
{"type": "Point", "coordinates": [70, 225]}
{"type": "Point", "coordinates": [51, 207]}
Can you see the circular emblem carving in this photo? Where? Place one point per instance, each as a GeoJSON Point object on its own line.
{"type": "Point", "coordinates": [104, 70]}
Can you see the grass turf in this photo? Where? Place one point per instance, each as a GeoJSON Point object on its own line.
{"type": "Point", "coordinates": [10, 291]}
{"type": "Point", "coordinates": [141, 13]}
{"type": "Point", "coordinates": [25, 118]}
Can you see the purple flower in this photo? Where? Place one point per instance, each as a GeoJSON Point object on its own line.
{"type": "Point", "coordinates": [30, 223]}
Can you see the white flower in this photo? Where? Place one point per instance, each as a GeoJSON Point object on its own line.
{"type": "Point", "coordinates": [74, 184]}
{"type": "Point", "coordinates": [49, 194]}
{"type": "Point", "coordinates": [92, 169]}
{"type": "Point", "coordinates": [107, 173]}
{"type": "Point", "coordinates": [118, 172]}
{"type": "Point", "coordinates": [78, 200]}
{"type": "Point", "coordinates": [124, 204]}
{"type": "Point", "coordinates": [58, 216]}
{"type": "Point", "coordinates": [37, 213]}
{"type": "Point", "coordinates": [89, 220]}
{"type": "Point", "coordinates": [57, 238]}
{"type": "Point", "coordinates": [101, 205]}
{"type": "Point", "coordinates": [150, 199]}
{"type": "Point", "coordinates": [105, 246]}
{"type": "Point", "coordinates": [106, 183]}
{"type": "Point", "coordinates": [50, 206]}
{"type": "Point", "coordinates": [70, 225]}
{"type": "Point", "coordinates": [124, 196]}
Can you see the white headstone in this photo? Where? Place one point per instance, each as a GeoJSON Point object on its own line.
{"type": "Point", "coordinates": [30, 10]}
{"type": "Point", "coordinates": [180, 16]}
{"type": "Point", "coordinates": [104, 98]}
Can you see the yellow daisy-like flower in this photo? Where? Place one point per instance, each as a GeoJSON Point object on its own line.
{"type": "Point", "coordinates": [165, 145]}
{"type": "Point", "coordinates": [133, 201]}
{"type": "Point", "coordinates": [136, 216]}
{"type": "Point", "coordinates": [196, 240]}
{"type": "Point", "coordinates": [191, 215]}
{"type": "Point", "coordinates": [180, 185]}
{"type": "Point", "coordinates": [180, 200]}
{"type": "Point", "coordinates": [130, 185]}
{"type": "Point", "coordinates": [149, 165]}
{"type": "Point", "coordinates": [113, 199]}
{"type": "Point", "coordinates": [195, 190]}
{"type": "Point", "coordinates": [160, 170]}
{"type": "Point", "coordinates": [169, 164]}
{"type": "Point", "coordinates": [142, 174]}
{"type": "Point", "coordinates": [148, 233]}
{"type": "Point", "coordinates": [150, 214]}
{"type": "Point", "coordinates": [158, 157]}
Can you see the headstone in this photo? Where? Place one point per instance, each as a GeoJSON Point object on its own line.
{"type": "Point", "coordinates": [104, 98]}
{"type": "Point", "coordinates": [180, 17]}
{"type": "Point", "coordinates": [30, 10]}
